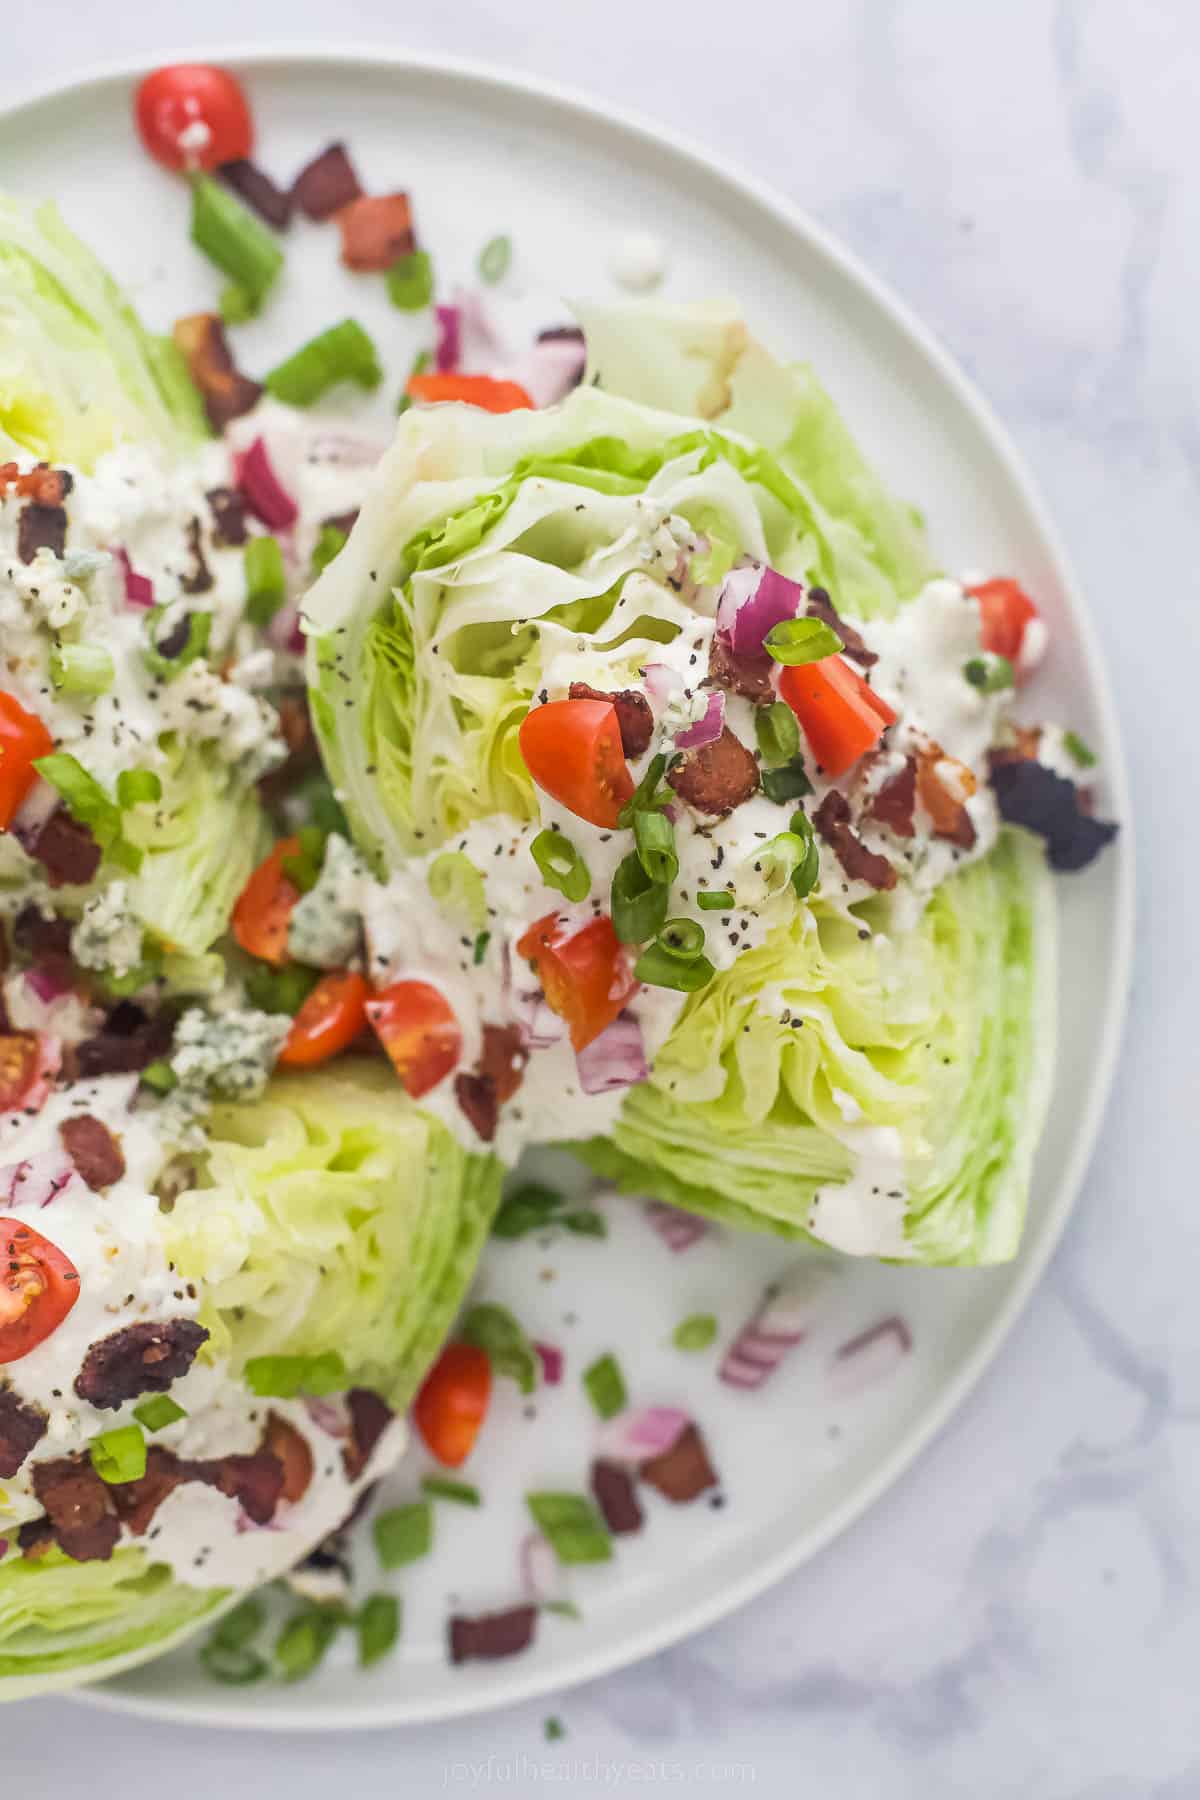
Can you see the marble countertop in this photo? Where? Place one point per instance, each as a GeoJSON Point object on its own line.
{"type": "Point", "coordinates": [1018, 1617]}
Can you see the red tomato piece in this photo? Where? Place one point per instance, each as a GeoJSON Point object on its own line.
{"type": "Point", "coordinates": [24, 1070]}
{"type": "Point", "coordinates": [177, 106]}
{"type": "Point", "coordinates": [453, 1401]}
{"type": "Point", "coordinates": [841, 714]}
{"type": "Point", "coordinates": [264, 906]}
{"type": "Point", "coordinates": [586, 975]}
{"type": "Point", "coordinates": [328, 1022]}
{"type": "Point", "coordinates": [38, 1288]}
{"type": "Point", "coordinates": [416, 1025]}
{"type": "Point", "coordinates": [1005, 609]}
{"type": "Point", "coordinates": [573, 750]}
{"type": "Point", "coordinates": [476, 390]}
{"type": "Point", "coordinates": [23, 738]}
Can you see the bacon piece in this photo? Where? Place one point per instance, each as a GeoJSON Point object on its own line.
{"type": "Point", "coordinates": [41, 528]}
{"type": "Point", "coordinates": [66, 850]}
{"type": "Point", "coordinates": [893, 804]}
{"type": "Point", "coordinates": [616, 1497]}
{"type": "Point", "coordinates": [633, 715]}
{"type": "Point", "coordinates": [296, 730]}
{"type": "Point", "coordinates": [21, 1427]}
{"type": "Point", "coordinates": [41, 935]}
{"type": "Point", "coordinates": [255, 187]}
{"type": "Point", "coordinates": [489, 1636]}
{"type": "Point", "coordinates": [46, 486]}
{"type": "Point", "coordinates": [1027, 740]}
{"type": "Point", "coordinates": [1030, 794]}
{"type": "Point", "coordinates": [749, 676]}
{"type": "Point", "coordinates": [198, 579]}
{"type": "Point", "coordinates": [129, 1041]}
{"type": "Point", "coordinates": [718, 777]}
{"type": "Point", "coordinates": [228, 508]}
{"type": "Point", "coordinates": [255, 1481]}
{"type": "Point", "coordinates": [832, 820]}
{"type": "Point", "coordinates": [139, 1359]}
{"type": "Point", "coordinates": [684, 1470]}
{"type": "Point", "coordinates": [946, 809]}
{"type": "Point", "coordinates": [91, 1146]}
{"type": "Point", "coordinates": [820, 606]}
{"type": "Point", "coordinates": [79, 1506]}
{"type": "Point", "coordinates": [376, 231]}
{"type": "Point", "coordinates": [369, 1418]}
{"type": "Point", "coordinates": [291, 1451]}
{"type": "Point", "coordinates": [326, 184]}
{"type": "Point", "coordinates": [138, 1501]}
{"type": "Point", "coordinates": [477, 1099]}
{"type": "Point", "coordinates": [34, 1538]}
{"type": "Point", "coordinates": [226, 393]}
{"type": "Point", "coordinates": [496, 1077]}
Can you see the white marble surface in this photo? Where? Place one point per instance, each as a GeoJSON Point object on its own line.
{"type": "Point", "coordinates": [1019, 1617]}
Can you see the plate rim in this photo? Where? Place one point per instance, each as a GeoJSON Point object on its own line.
{"type": "Point", "coordinates": [819, 242]}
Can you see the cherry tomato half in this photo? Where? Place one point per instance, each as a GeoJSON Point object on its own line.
{"type": "Point", "coordinates": [416, 1025]}
{"type": "Point", "coordinates": [453, 1401]}
{"type": "Point", "coordinates": [23, 738]}
{"type": "Point", "coordinates": [476, 390]}
{"type": "Point", "coordinates": [265, 905]}
{"type": "Point", "coordinates": [327, 1023]}
{"type": "Point", "coordinates": [1005, 610]}
{"type": "Point", "coordinates": [585, 975]}
{"type": "Point", "coordinates": [23, 1071]}
{"type": "Point", "coordinates": [38, 1288]}
{"type": "Point", "coordinates": [842, 716]}
{"type": "Point", "coordinates": [573, 750]}
{"type": "Point", "coordinates": [192, 116]}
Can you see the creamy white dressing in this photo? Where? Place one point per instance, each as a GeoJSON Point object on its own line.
{"type": "Point", "coordinates": [639, 261]}
{"type": "Point", "coordinates": [865, 1215]}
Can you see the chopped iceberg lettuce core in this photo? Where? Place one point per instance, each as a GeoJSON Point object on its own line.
{"type": "Point", "coordinates": [334, 1215]}
{"type": "Point", "coordinates": [79, 373]}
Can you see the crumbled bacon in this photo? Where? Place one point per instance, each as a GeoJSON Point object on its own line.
{"type": "Point", "coordinates": [749, 676]}
{"type": "Point", "coordinates": [42, 484]}
{"type": "Point", "coordinates": [616, 1496]}
{"type": "Point", "coordinates": [496, 1077]}
{"type": "Point", "coordinates": [820, 606]}
{"type": "Point", "coordinates": [477, 1100]}
{"type": "Point", "coordinates": [684, 1470]}
{"type": "Point", "coordinates": [79, 1506]}
{"type": "Point", "coordinates": [718, 777]}
{"type": "Point", "coordinates": [490, 1636]}
{"type": "Point", "coordinates": [138, 1501]}
{"type": "Point", "coordinates": [290, 1449]}
{"type": "Point", "coordinates": [226, 393]}
{"type": "Point", "coordinates": [894, 803]}
{"type": "Point", "coordinates": [1030, 794]}
{"type": "Point", "coordinates": [35, 1537]}
{"type": "Point", "coordinates": [296, 730]}
{"type": "Point", "coordinates": [139, 1359]}
{"type": "Point", "coordinates": [41, 935]}
{"type": "Point", "coordinates": [832, 820]}
{"type": "Point", "coordinates": [21, 1427]}
{"type": "Point", "coordinates": [633, 715]}
{"type": "Point", "coordinates": [41, 528]}
{"type": "Point", "coordinates": [228, 508]}
{"type": "Point", "coordinates": [943, 786]}
{"type": "Point", "coordinates": [129, 1041]}
{"type": "Point", "coordinates": [255, 1481]}
{"type": "Point", "coordinates": [91, 1146]}
{"type": "Point", "coordinates": [369, 1418]}
{"type": "Point", "coordinates": [198, 578]}
{"type": "Point", "coordinates": [66, 850]}
{"type": "Point", "coordinates": [326, 184]}
{"type": "Point", "coordinates": [1026, 742]}
{"type": "Point", "coordinates": [255, 187]}
{"type": "Point", "coordinates": [376, 231]}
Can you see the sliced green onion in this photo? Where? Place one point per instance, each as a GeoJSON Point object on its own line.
{"type": "Point", "coordinates": [420, 362]}
{"type": "Point", "coordinates": [287, 1377]}
{"type": "Point", "coordinates": [83, 797]}
{"type": "Point", "coordinates": [788, 783]}
{"type": "Point", "coordinates": [322, 805]}
{"type": "Point", "coordinates": [440, 1487]}
{"type": "Point", "coordinates": [232, 1668]}
{"type": "Point", "coordinates": [647, 793]}
{"type": "Point", "coordinates": [455, 882]}
{"type": "Point", "coordinates": [528, 1208]}
{"type": "Point", "coordinates": [266, 579]}
{"type": "Point", "coordinates": [343, 353]}
{"type": "Point", "coordinates": [990, 674]}
{"type": "Point", "coordinates": [683, 938]}
{"type": "Point", "coordinates": [654, 835]}
{"type": "Point", "coordinates": [238, 1627]}
{"type": "Point", "coordinates": [159, 1077]}
{"type": "Point", "coordinates": [572, 1527]}
{"type": "Point", "coordinates": [377, 1628]}
{"type": "Point", "coordinates": [563, 1609]}
{"type": "Point", "coordinates": [560, 865]}
{"type": "Point", "coordinates": [709, 901]}
{"type": "Point", "coordinates": [797, 641]}
{"type": "Point", "coordinates": [230, 236]}
{"type": "Point", "coordinates": [638, 905]}
{"type": "Point", "coordinates": [585, 1221]}
{"type": "Point", "coordinates": [661, 968]}
{"type": "Point", "coordinates": [605, 1386]}
{"type": "Point", "coordinates": [81, 669]}
{"type": "Point", "coordinates": [696, 1332]}
{"type": "Point", "coordinates": [235, 305]}
{"type": "Point", "coordinates": [331, 541]}
{"type": "Point", "coordinates": [305, 1638]}
{"type": "Point", "coordinates": [403, 1534]}
{"type": "Point", "coordinates": [279, 990]}
{"type": "Point", "coordinates": [410, 281]}
{"type": "Point", "coordinates": [777, 733]}
{"type": "Point", "coordinates": [120, 1454]}
{"type": "Point", "coordinates": [807, 870]}
{"type": "Point", "coordinates": [303, 866]}
{"type": "Point", "coordinates": [1078, 751]}
{"type": "Point", "coordinates": [137, 787]}
{"type": "Point", "coordinates": [158, 1412]}
{"type": "Point", "coordinates": [199, 629]}
{"type": "Point", "coordinates": [495, 1330]}
{"type": "Point", "coordinates": [494, 259]}
{"type": "Point", "coordinates": [553, 1729]}
{"type": "Point", "coordinates": [709, 567]}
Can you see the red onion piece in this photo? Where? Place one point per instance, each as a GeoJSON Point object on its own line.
{"type": "Point", "coordinates": [870, 1357]}
{"type": "Point", "coordinates": [39, 803]}
{"type": "Point", "coordinates": [38, 1179]}
{"type": "Point", "coordinates": [328, 1416]}
{"type": "Point", "coordinates": [265, 494]}
{"type": "Point", "coordinates": [782, 1320]}
{"type": "Point", "coordinates": [3, 1548]}
{"type": "Point", "coordinates": [139, 589]}
{"type": "Point", "coordinates": [449, 337]}
{"type": "Point", "coordinates": [678, 1230]}
{"type": "Point", "coordinates": [661, 682]}
{"type": "Point", "coordinates": [615, 1059]}
{"type": "Point", "coordinates": [541, 1027]}
{"type": "Point", "coordinates": [642, 1432]}
{"type": "Point", "coordinates": [753, 599]}
{"type": "Point", "coordinates": [284, 629]}
{"type": "Point", "coordinates": [46, 982]}
{"type": "Point", "coordinates": [551, 1359]}
{"type": "Point", "coordinates": [540, 1572]}
{"type": "Point", "coordinates": [706, 730]}
{"type": "Point", "coordinates": [550, 371]}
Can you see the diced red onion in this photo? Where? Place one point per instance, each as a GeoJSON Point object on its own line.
{"type": "Point", "coordinates": [870, 1357]}
{"type": "Point", "coordinates": [540, 1573]}
{"type": "Point", "coordinates": [284, 629]}
{"type": "Point", "coordinates": [341, 450]}
{"type": "Point", "coordinates": [328, 1416]}
{"type": "Point", "coordinates": [615, 1059]}
{"type": "Point", "coordinates": [46, 982]}
{"type": "Point", "coordinates": [541, 1027]}
{"type": "Point", "coordinates": [678, 1230]}
{"type": "Point", "coordinates": [661, 682]}
{"type": "Point", "coordinates": [38, 1179]}
{"type": "Point", "coordinates": [551, 1359]}
{"type": "Point", "coordinates": [706, 730]}
{"type": "Point", "coordinates": [782, 1320]}
{"type": "Point", "coordinates": [753, 599]}
{"type": "Point", "coordinates": [265, 494]}
{"type": "Point", "coordinates": [139, 589]}
{"type": "Point", "coordinates": [3, 1548]}
{"type": "Point", "coordinates": [39, 803]}
{"type": "Point", "coordinates": [550, 371]}
{"type": "Point", "coordinates": [449, 337]}
{"type": "Point", "coordinates": [642, 1432]}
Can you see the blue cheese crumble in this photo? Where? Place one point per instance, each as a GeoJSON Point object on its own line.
{"type": "Point", "coordinates": [325, 929]}
{"type": "Point", "coordinates": [109, 935]}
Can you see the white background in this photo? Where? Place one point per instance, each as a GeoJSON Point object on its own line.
{"type": "Point", "coordinates": [1019, 1617]}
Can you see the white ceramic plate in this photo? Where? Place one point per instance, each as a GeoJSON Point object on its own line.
{"type": "Point", "coordinates": [483, 153]}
